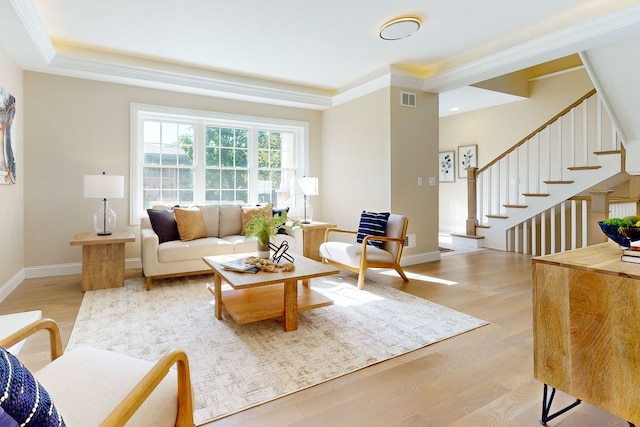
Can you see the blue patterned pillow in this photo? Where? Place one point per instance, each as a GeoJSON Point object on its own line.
{"type": "Point", "coordinates": [372, 224]}
{"type": "Point", "coordinates": [282, 212]}
{"type": "Point", "coordinates": [22, 397]}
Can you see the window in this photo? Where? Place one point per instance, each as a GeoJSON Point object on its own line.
{"type": "Point", "coordinates": [195, 157]}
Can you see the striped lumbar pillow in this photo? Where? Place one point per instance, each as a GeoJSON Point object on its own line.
{"type": "Point", "coordinates": [372, 224]}
{"type": "Point", "coordinates": [22, 397]}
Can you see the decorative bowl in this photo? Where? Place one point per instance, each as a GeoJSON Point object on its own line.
{"type": "Point", "coordinates": [621, 234]}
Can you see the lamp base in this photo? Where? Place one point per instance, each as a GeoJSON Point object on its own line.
{"type": "Point", "coordinates": [104, 220]}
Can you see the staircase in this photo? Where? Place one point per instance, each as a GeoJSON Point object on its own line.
{"type": "Point", "coordinates": [546, 175]}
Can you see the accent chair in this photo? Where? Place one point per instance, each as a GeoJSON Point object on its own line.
{"type": "Point", "coordinates": [383, 250]}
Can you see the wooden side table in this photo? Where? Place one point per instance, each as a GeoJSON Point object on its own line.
{"type": "Point", "coordinates": [102, 259]}
{"type": "Point", "coordinates": [312, 237]}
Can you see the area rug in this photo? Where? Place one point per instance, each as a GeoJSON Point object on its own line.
{"type": "Point", "coordinates": [235, 367]}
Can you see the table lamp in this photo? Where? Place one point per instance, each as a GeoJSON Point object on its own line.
{"type": "Point", "coordinates": [103, 187]}
{"type": "Point", "coordinates": [309, 187]}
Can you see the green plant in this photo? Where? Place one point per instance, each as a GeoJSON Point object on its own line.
{"type": "Point", "coordinates": [264, 226]}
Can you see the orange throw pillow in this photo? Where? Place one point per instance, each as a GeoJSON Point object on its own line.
{"type": "Point", "coordinates": [191, 223]}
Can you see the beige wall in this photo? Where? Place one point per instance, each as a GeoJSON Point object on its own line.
{"type": "Point", "coordinates": [497, 129]}
{"type": "Point", "coordinates": [414, 153]}
{"type": "Point", "coordinates": [373, 152]}
{"type": "Point", "coordinates": [356, 173]}
{"type": "Point", "coordinates": [76, 127]}
{"type": "Point", "coordinates": [12, 249]}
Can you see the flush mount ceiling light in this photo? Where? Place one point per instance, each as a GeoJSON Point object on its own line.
{"type": "Point", "coordinates": [399, 28]}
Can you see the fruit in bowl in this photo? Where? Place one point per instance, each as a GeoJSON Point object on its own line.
{"type": "Point", "coordinates": [623, 231]}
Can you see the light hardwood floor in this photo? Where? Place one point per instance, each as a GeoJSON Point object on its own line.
{"type": "Point", "coordinates": [480, 378]}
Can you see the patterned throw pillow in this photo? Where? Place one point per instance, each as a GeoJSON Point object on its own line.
{"type": "Point", "coordinates": [22, 397]}
{"type": "Point", "coordinates": [372, 224]}
{"type": "Point", "coordinates": [282, 212]}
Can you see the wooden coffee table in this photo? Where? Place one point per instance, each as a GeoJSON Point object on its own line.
{"type": "Point", "coordinates": [267, 295]}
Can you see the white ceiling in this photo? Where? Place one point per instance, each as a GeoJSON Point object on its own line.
{"type": "Point", "coordinates": [312, 54]}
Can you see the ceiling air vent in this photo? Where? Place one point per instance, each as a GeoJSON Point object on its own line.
{"type": "Point", "coordinates": [407, 99]}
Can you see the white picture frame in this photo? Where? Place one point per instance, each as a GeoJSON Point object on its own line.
{"type": "Point", "coordinates": [467, 157]}
{"type": "Point", "coordinates": [447, 166]}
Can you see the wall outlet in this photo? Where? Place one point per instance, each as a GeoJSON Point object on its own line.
{"type": "Point", "coordinates": [410, 240]}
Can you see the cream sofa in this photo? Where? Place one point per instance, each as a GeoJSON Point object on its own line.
{"type": "Point", "coordinates": [223, 235]}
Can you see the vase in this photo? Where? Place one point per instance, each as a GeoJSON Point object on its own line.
{"type": "Point", "coordinates": [263, 251]}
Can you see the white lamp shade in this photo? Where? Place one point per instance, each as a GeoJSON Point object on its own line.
{"type": "Point", "coordinates": [103, 186]}
{"type": "Point", "coordinates": [295, 190]}
{"type": "Point", "coordinates": [308, 185]}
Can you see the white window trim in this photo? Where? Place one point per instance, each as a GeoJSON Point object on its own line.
{"type": "Point", "coordinates": [300, 128]}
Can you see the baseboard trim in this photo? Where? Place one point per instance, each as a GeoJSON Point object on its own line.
{"type": "Point", "coordinates": [11, 284]}
{"type": "Point", "coordinates": [72, 268]}
{"type": "Point", "coordinates": [420, 258]}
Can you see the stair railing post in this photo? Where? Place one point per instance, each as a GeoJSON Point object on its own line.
{"type": "Point", "coordinates": [599, 212]}
{"type": "Point", "coordinates": [472, 202]}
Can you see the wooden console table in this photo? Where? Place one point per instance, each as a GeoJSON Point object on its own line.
{"type": "Point", "coordinates": [102, 259]}
{"type": "Point", "coordinates": [586, 329]}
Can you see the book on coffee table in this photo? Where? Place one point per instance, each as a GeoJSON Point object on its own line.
{"type": "Point", "coordinates": [239, 266]}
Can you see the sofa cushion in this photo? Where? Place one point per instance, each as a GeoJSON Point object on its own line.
{"type": "Point", "coordinates": [351, 254]}
{"type": "Point", "coordinates": [23, 398]}
{"type": "Point", "coordinates": [163, 222]}
{"type": "Point", "coordinates": [249, 212]}
{"type": "Point", "coordinates": [230, 220]}
{"type": "Point", "coordinates": [211, 215]}
{"type": "Point", "coordinates": [178, 250]}
{"type": "Point", "coordinates": [372, 224]}
{"type": "Point", "coordinates": [191, 224]}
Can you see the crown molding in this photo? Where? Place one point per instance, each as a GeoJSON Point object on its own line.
{"type": "Point", "coordinates": [185, 82]}
{"type": "Point", "coordinates": [33, 25]}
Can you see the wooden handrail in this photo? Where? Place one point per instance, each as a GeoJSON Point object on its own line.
{"type": "Point", "coordinates": [538, 130]}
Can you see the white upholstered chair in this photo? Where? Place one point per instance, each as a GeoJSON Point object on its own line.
{"type": "Point", "coordinates": [91, 387]}
{"type": "Point", "coordinates": [358, 257]}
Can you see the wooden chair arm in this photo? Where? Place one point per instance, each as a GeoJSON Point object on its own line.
{"type": "Point", "coordinates": [384, 238]}
{"type": "Point", "coordinates": [136, 397]}
{"type": "Point", "coordinates": [337, 230]}
{"type": "Point", "coordinates": [55, 341]}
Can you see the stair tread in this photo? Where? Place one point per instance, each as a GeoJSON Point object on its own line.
{"type": "Point", "coordinates": [516, 206]}
{"type": "Point", "coordinates": [468, 236]}
{"type": "Point", "coordinates": [558, 182]}
{"type": "Point", "coordinates": [497, 216]}
{"type": "Point", "coordinates": [535, 194]}
{"type": "Point", "coordinates": [584, 168]}
{"type": "Point", "coordinates": [483, 226]}
{"type": "Point", "coordinates": [598, 153]}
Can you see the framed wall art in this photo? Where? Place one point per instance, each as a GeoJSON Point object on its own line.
{"type": "Point", "coordinates": [447, 166]}
{"type": "Point", "coordinates": [467, 157]}
{"type": "Point", "coordinates": [7, 151]}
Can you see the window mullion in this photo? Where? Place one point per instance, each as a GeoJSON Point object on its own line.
{"type": "Point", "coordinates": [253, 164]}
{"type": "Point", "coordinates": [200, 164]}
